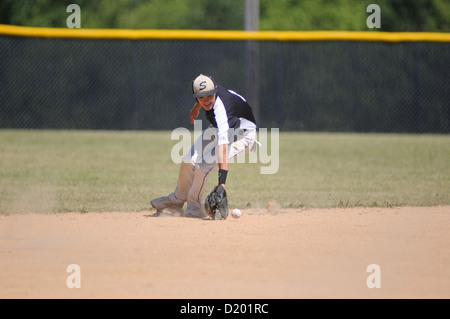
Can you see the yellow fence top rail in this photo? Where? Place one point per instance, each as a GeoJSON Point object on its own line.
{"type": "Point", "coordinates": [126, 34]}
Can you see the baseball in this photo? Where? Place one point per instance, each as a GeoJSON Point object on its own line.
{"type": "Point", "coordinates": [236, 213]}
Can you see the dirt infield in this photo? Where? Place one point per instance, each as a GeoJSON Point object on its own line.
{"type": "Point", "coordinates": [270, 253]}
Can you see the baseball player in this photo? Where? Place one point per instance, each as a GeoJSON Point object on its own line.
{"type": "Point", "coordinates": [232, 131]}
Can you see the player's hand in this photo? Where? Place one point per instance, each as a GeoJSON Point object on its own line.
{"type": "Point", "coordinates": [193, 114]}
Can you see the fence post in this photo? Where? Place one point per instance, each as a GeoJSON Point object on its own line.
{"type": "Point", "coordinates": [251, 22]}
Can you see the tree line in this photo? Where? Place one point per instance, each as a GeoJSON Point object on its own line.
{"type": "Point", "coordinates": [396, 15]}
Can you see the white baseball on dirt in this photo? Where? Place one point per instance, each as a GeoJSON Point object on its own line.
{"type": "Point", "coordinates": [236, 213]}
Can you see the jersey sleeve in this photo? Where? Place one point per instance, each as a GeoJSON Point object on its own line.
{"type": "Point", "coordinates": [223, 127]}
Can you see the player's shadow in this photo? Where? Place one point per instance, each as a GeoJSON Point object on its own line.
{"type": "Point", "coordinates": [160, 214]}
{"type": "Point", "coordinates": [164, 215]}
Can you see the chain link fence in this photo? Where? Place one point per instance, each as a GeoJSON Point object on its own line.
{"type": "Point", "coordinates": [119, 84]}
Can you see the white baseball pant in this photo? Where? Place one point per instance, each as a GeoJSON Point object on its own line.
{"type": "Point", "coordinates": [201, 160]}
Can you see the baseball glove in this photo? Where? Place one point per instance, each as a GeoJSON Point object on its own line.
{"type": "Point", "coordinates": [216, 203]}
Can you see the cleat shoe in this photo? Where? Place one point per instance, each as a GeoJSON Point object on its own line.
{"type": "Point", "coordinates": [165, 202]}
{"type": "Point", "coordinates": [161, 202]}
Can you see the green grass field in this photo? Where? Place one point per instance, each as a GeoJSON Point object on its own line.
{"type": "Point", "coordinates": [90, 171]}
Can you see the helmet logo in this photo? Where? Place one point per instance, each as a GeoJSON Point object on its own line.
{"type": "Point", "coordinates": [203, 85]}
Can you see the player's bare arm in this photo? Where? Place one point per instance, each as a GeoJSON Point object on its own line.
{"type": "Point", "coordinates": [194, 112]}
{"type": "Point", "coordinates": [223, 163]}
